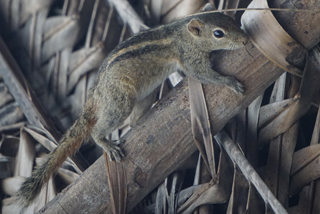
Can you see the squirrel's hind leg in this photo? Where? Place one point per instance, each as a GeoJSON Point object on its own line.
{"type": "Point", "coordinates": [111, 114]}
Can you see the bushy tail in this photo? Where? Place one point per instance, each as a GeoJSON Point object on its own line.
{"type": "Point", "coordinates": [69, 144]}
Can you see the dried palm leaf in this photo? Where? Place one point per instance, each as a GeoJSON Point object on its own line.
{"type": "Point", "coordinates": [277, 46]}
{"type": "Point", "coordinates": [308, 90]}
{"type": "Point", "coordinates": [253, 117]}
{"type": "Point", "coordinates": [118, 185]}
{"type": "Point", "coordinates": [25, 156]}
{"type": "Point", "coordinates": [200, 125]}
{"type": "Point", "coordinates": [236, 155]}
{"type": "Point", "coordinates": [9, 205]}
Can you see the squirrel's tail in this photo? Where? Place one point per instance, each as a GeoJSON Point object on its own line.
{"type": "Point", "coordinates": [69, 144]}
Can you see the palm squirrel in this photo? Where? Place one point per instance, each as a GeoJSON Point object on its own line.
{"type": "Point", "coordinates": [131, 72]}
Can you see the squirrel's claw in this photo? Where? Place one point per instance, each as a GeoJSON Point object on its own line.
{"type": "Point", "coordinates": [114, 152]}
{"type": "Point", "coordinates": [234, 84]}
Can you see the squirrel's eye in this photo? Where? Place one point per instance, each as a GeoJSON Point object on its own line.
{"type": "Point", "coordinates": [218, 33]}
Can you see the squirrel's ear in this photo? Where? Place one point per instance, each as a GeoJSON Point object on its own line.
{"type": "Point", "coordinates": [208, 7]}
{"type": "Point", "coordinates": [195, 27]}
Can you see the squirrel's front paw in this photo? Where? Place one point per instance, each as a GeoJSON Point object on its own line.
{"type": "Point", "coordinates": [240, 88]}
{"type": "Point", "coordinates": [235, 85]}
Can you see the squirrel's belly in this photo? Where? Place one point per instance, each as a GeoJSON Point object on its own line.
{"type": "Point", "coordinates": [157, 77]}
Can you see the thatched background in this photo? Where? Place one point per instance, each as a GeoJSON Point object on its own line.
{"type": "Point", "coordinates": [59, 46]}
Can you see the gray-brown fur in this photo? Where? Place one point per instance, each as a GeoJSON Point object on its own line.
{"type": "Point", "coordinates": [132, 71]}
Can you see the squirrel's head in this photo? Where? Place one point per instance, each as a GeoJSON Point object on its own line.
{"type": "Point", "coordinates": [216, 31]}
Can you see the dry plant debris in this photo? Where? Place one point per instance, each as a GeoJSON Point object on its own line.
{"type": "Point", "coordinates": [59, 46]}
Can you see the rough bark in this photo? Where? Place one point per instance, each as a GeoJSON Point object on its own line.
{"type": "Point", "coordinates": [162, 140]}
